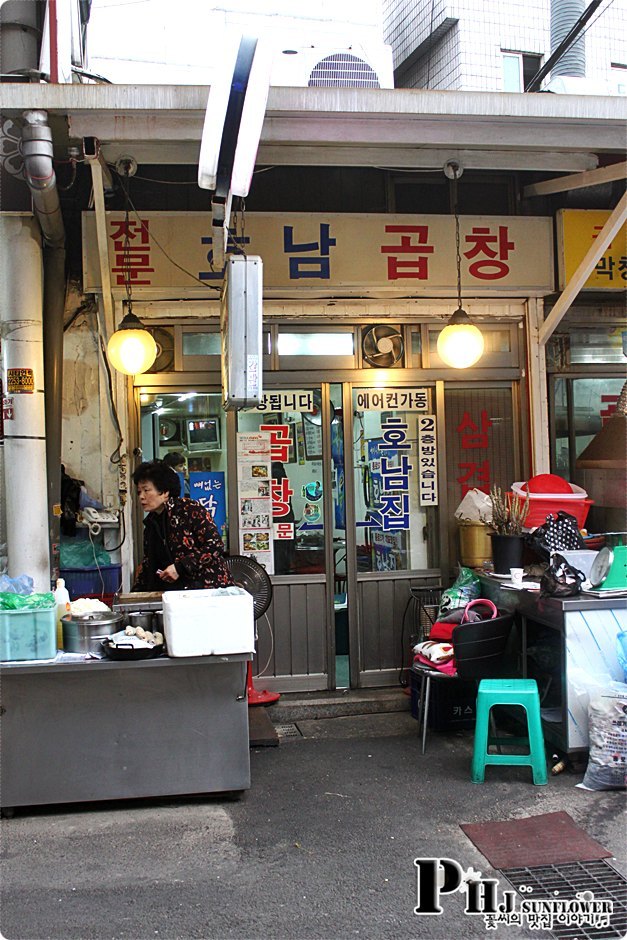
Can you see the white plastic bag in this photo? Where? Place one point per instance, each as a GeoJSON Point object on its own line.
{"type": "Point", "coordinates": [607, 764]}
{"type": "Point", "coordinates": [475, 507]}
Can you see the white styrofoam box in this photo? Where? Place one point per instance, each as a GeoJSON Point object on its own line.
{"type": "Point", "coordinates": [581, 559]}
{"type": "Point", "coordinates": [210, 622]}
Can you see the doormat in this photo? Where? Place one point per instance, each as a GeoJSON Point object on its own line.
{"type": "Point", "coordinates": [550, 839]}
{"type": "Point", "coordinates": [567, 882]}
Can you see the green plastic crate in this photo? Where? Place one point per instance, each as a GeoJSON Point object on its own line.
{"type": "Point", "coordinates": [28, 634]}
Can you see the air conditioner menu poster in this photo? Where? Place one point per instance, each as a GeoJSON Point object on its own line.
{"type": "Point", "coordinates": [254, 472]}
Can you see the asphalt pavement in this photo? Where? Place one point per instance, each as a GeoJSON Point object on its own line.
{"type": "Point", "coordinates": [322, 846]}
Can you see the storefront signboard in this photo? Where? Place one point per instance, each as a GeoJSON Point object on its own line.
{"type": "Point", "coordinates": [576, 231]}
{"type": "Point", "coordinates": [321, 252]}
{"type": "Point", "coordinates": [427, 461]}
{"type": "Point", "coordinates": [286, 400]}
{"type": "Point", "coordinates": [392, 399]}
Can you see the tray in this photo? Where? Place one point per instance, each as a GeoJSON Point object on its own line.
{"type": "Point", "coordinates": [130, 652]}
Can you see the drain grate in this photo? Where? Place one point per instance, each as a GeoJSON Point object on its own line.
{"type": "Point", "coordinates": [569, 880]}
{"type": "Point", "coordinates": [288, 731]}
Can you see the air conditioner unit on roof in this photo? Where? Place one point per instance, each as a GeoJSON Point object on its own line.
{"type": "Point", "coordinates": [335, 65]}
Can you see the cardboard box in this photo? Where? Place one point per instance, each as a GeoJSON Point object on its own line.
{"type": "Point", "coordinates": [211, 622]}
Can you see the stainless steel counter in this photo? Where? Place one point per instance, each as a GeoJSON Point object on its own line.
{"type": "Point", "coordinates": [582, 632]}
{"type": "Point", "coordinates": [105, 730]}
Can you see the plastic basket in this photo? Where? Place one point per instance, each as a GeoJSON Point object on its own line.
{"type": "Point", "coordinates": [93, 581]}
{"type": "Point", "coordinates": [28, 634]}
{"type": "Point", "coordinates": [540, 507]}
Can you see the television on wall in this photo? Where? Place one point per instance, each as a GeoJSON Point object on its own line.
{"type": "Point", "coordinates": [202, 434]}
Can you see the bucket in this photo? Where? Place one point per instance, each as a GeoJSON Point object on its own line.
{"type": "Point", "coordinates": [475, 547]}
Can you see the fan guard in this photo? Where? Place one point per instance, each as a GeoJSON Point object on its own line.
{"type": "Point", "coordinates": [252, 577]}
{"type": "Point", "coordinates": [165, 349]}
{"type": "Point", "coordinates": [382, 346]}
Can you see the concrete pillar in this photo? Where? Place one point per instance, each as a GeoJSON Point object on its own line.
{"type": "Point", "coordinates": [25, 484]}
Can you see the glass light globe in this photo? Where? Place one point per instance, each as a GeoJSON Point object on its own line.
{"type": "Point", "coordinates": [460, 344]}
{"type": "Point", "coordinates": [131, 349]}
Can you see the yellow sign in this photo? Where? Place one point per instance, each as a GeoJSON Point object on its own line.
{"type": "Point", "coordinates": [20, 381]}
{"type": "Point", "coordinates": [327, 253]}
{"type": "Point", "coordinates": [576, 231]}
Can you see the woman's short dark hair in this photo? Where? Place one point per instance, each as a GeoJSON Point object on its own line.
{"type": "Point", "coordinates": [174, 459]}
{"type": "Point", "coordinates": [162, 478]}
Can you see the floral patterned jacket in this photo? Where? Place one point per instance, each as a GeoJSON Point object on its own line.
{"type": "Point", "coordinates": [195, 546]}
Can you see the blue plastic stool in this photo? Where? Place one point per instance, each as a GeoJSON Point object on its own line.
{"type": "Point", "coordinates": [522, 692]}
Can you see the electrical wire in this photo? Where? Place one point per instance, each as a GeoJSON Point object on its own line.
{"type": "Point", "coordinates": [261, 672]}
{"type": "Point", "coordinates": [115, 457]}
{"type": "Point", "coordinates": [431, 44]}
{"type": "Point", "coordinates": [213, 287]}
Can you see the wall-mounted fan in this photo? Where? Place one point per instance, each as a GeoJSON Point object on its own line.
{"type": "Point", "coordinates": [382, 346]}
{"type": "Point", "coordinates": [165, 349]}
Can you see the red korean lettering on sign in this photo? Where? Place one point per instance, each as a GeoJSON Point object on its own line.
{"type": "Point", "coordinates": [281, 492]}
{"type": "Point", "coordinates": [475, 473]}
{"type": "Point", "coordinates": [139, 247]}
{"type": "Point", "coordinates": [280, 441]}
{"type": "Point", "coordinates": [399, 265]}
{"type": "Point", "coordinates": [495, 248]}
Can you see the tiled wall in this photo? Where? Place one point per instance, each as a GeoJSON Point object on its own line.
{"type": "Point", "coordinates": [468, 57]}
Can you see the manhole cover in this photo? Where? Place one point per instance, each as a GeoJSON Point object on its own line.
{"type": "Point", "coordinates": [287, 731]}
{"type": "Point", "coordinates": [578, 882]}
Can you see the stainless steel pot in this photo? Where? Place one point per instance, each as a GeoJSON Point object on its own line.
{"type": "Point", "coordinates": [141, 618]}
{"type": "Point", "coordinates": [83, 633]}
{"type": "Point", "coordinates": [159, 620]}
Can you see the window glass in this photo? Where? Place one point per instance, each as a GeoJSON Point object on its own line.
{"type": "Point", "coordinates": [192, 425]}
{"type": "Point", "coordinates": [316, 344]}
{"type": "Point", "coordinates": [201, 344]}
{"type": "Point", "coordinates": [391, 524]}
{"type": "Point", "coordinates": [511, 72]}
{"type": "Point", "coordinates": [296, 539]}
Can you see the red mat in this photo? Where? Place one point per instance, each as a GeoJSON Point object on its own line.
{"type": "Point", "coordinates": [551, 839]}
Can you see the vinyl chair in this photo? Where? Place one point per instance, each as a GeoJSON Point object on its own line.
{"type": "Point", "coordinates": [478, 649]}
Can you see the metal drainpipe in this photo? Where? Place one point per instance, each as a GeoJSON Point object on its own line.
{"type": "Point", "coordinates": [40, 176]}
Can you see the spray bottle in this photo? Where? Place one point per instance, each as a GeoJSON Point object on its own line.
{"type": "Point", "coordinates": [62, 599]}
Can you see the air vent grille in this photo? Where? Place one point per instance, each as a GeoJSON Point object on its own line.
{"type": "Point", "coordinates": [343, 69]}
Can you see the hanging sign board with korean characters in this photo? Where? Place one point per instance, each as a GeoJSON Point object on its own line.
{"type": "Point", "coordinates": [576, 231]}
{"type": "Point", "coordinates": [391, 399]}
{"type": "Point", "coordinates": [315, 252]}
{"type": "Point", "coordinates": [277, 402]}
{"type": "Point", "coordinates": [427, 461]}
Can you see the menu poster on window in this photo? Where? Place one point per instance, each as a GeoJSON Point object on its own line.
{"type": "Point", "coordinates": [254, 472]}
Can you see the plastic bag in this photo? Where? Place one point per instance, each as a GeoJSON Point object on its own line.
{"type": "Point", "coordinates": [560, 579]}
{"type": "Point", "coordinates": [11, 601]}
{"type": "Point", "coordinates": [83, 555]}
{"type": "Point", "coordinates": [607, 716]}
{"type": "Point", "coordinates": [559, 533]}
{"type": "Point", "coordinates": [464, 589]}
{"type": "Point", "coordinates": [475, 507]}
{"type": "Point", "coordinates": [621, 650]}
{"type": "Point", "coordinates": [23, 584]}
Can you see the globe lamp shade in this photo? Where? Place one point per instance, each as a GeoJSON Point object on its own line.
{"type": "Point", "coordinates": [131, 349]}
{"type": "Point", "coordinates": [460, 344]}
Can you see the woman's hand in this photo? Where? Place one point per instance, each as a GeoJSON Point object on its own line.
{"type": "Point", "coordinates": [169, 574]}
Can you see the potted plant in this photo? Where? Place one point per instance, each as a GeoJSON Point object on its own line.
{"type": "Point", "coordinates": [507, 523]}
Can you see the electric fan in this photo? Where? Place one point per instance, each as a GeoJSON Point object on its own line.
{"type": "Point", "coordinates": [382, 346]}
{"type": "Point", "coordinates": [253, 577]}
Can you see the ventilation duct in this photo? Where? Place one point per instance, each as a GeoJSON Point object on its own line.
{"type": "Point", "coordinates": [564, 15]}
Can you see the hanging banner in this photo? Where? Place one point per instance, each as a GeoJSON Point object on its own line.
{"type": "Point", "coordinates": [576, 231]}
{"type": "Point", "coordinates": [427, 461]}
{"type": "Point", "coordinates": [322, 252]}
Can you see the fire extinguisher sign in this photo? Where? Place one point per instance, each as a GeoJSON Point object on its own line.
{"type": "Point", "coordinates": [20, 381]}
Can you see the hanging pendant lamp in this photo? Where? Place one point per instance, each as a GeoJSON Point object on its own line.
{"type": "Point", "coordinates": [131, 348]}
{"type": "Point", "coordinates": [460, 344]}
